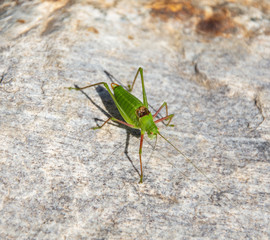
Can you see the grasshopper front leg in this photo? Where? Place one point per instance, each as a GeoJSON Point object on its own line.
{"type": "Point", "coordinates": [167, 117]}
{"type": "Point", "coordinates": [140, 155]}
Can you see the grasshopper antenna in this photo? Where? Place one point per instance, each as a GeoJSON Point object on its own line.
{"type": "Point", "coordinates": [192, 163]}
{"type": "Point", "coordinates": [200, 171]}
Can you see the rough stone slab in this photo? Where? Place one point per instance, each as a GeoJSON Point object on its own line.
{"type": "Point", "coordinates": [209, 60]}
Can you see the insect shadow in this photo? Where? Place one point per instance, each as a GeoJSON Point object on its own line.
{"type": "Point", "coordinates": [111, 110]}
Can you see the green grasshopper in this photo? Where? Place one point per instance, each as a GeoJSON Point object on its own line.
{"type": "Point", "coordinates": [137, 115]}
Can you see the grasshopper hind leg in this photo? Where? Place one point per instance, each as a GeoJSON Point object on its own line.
{"type": "Point", "coordinates": [115, 120]}
{"type": "Point", "coordinates": [98, 127]}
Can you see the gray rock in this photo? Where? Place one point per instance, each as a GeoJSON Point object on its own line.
{"type": "Point", "coordinates": [61, 180]}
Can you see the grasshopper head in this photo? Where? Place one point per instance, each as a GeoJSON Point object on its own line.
{"type": "Point", "coordinates": [152, 133]}
{"type": "Point", "coordinates": [148, 125]}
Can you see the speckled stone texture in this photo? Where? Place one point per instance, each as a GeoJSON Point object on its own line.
{"type": "Point", "coordinates": [209, 60]}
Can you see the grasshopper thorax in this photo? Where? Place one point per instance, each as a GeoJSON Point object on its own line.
{"type": "Point", "coordinates": [146, 122]}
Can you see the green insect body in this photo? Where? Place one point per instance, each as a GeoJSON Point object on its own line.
{"type": "Point", "coordinates": [128, 104]}
{"type": "Point", "coordinates": [134, 111]}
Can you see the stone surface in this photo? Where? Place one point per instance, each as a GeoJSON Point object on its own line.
{"type": "Point", "coordinates": [209, 60]}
